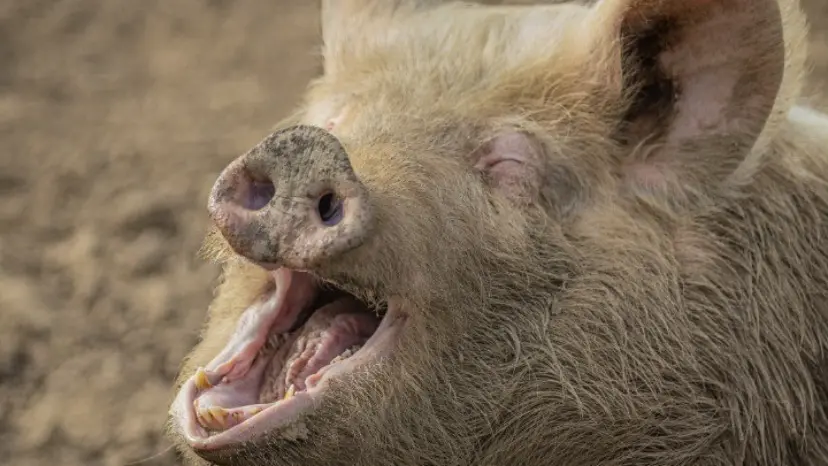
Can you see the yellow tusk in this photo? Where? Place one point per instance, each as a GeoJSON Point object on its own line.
{"type": "Point", "coordinates": [202, 382]}
{"type": "Point", "coordinates": [220, 416]}
{"type": "Point", "coordinates": [290, 392]}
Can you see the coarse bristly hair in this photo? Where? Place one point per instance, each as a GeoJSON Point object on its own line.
{"type": "Point", "coordinates": [653, 290]}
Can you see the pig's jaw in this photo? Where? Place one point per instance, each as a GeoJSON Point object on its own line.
{"type": "Point", "coordinates": [285, 349]}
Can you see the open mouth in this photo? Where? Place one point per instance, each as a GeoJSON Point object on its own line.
{"type": "Point", "coordinates": [285, 349]}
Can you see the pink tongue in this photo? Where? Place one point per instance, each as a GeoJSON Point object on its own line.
{"type": "Point", "coordinates": [328, 333]}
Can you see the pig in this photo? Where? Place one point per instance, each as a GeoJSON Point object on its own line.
{"type": "Point", "coordinates": [569, 234]}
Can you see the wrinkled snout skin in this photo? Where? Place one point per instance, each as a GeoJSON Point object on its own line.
{"type": "Point", "coordinates": [607, 225]}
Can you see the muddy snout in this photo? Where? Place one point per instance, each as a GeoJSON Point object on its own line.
{"type": "Point", "coordinates": [293, 200]}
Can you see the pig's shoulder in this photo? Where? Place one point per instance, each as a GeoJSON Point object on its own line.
{"type": "Point", "coordinates": [810, 119]}
{"type": "Point", "coordinates": [803, 142]}
{"type": "Point", "coordinates": [800, 150]}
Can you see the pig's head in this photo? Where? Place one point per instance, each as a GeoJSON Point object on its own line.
{"type": "Point", "coordinates": [472, 228]}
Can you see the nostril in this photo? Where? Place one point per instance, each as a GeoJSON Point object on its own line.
{"type": "Point", "coordinates": [261, 192]}
{"type": "Point", "coordinates": [330, 209]}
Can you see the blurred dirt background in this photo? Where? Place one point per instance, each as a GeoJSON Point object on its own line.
{"type": "Point", "coordinates": [115, 118]}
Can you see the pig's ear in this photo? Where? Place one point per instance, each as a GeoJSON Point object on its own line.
{"type": "Point", "coordinates": [699, 80]}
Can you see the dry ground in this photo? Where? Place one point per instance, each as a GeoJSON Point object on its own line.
{"type": "Point", "coordinates": [115, 118]}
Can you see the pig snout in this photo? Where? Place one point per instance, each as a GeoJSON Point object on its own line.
{"type": "Point", "coordinates": [293, 200]}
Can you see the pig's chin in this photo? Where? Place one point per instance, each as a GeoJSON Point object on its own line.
{"type": "Point", "coordinates": [286, 348]}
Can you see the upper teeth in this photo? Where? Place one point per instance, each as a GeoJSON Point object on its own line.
{"type": "Point", "coordinates": [202, 382]}
{"type": "Point", "coordinates": [290, 392]}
